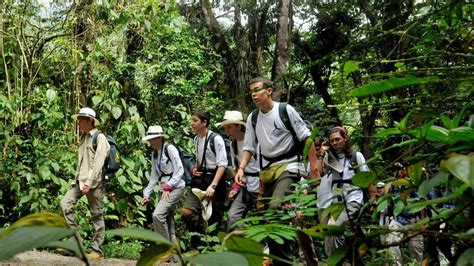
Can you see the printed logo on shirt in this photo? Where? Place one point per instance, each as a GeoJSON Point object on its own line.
{"type": "Point", "coordinates": [277, 131]}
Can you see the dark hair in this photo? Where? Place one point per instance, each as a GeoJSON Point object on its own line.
{"type": "Point", "coordinates": [202, 115]}
{"type": "Point", "coordinates": [343, 133]}
{"type": "Point", "coordinates": [267, 83]}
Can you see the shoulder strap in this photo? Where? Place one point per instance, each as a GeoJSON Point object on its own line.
{"type": "Point", "coordinates": [94, 139]}
{"type": "Point", "coordinates": [235, 148]}
{"type": "Point", "coordinates": [212, 137]}
{"type": "Point", "coordinates": [165, 148]}
{"type": "Point", "coordinates": [283, 112]}
{"type": "Point", "coordinates": [353, 160]}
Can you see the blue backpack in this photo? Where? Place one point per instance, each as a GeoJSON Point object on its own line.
{"type": "Point", "coordinates": [112, 161]}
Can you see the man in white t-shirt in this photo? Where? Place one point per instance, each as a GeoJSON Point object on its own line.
{"type": "Point", "coordinates": [281, 164]}
{"type": "Point", "coordinates": [243, 197]}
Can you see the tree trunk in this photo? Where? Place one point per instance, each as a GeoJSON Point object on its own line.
{"type": "Point", "coordinates": [280, 61]}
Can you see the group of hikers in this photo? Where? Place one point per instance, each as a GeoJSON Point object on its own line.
{"type": "Point", "coordinates": [266, 159]}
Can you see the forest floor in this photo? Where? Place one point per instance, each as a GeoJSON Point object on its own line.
{"type": "Point", "coordinates": [47, 258]}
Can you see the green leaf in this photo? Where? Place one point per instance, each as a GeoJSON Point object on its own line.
{"type": "Point", "coordinates": [401, 182]}
{"type": "Point", "coordinates": [44, 172]}
{"type": "Point", "coordinates": [462, 167]}
{"type": "Point", "coordinates": [116, 112]}
{"type": "Point", "coordinates": [447, 123]}
{"type": "Point", "coordinates": [37, 219]}
{"type": "Point", "coordinates": [246, 247]}
{"type": "Point", "coordinates": [418, 206]}
{"type": "Point", "coordinates": [351, 66]}
{"type": "Point", "coordinates": [467, 258]}
{"type": "Point", "coordinates": [51, 95]}
{"type": "Point", "coordinates": [337, 255]}
{"type": "Point", "coordinates": [153, 254]}
{"type": "Point", "coordinates": [390, 84]}
{"type": "Point", "coordinates": [97, 99]}
{"type": "Point", "coordinates": [322, 230]}
{"type": "Point", "coordinates": [26, 238]}
{"type": "Point", "coordinates": [404, 122]}
{"type": "Point", "coordinates": [137, 233]}
{"type": "Point", "coordinates": [437, 134]}
{"type": "Point", "coordinates": [427, 185]}
{"type": "Point", "coordinates": [415, 172]}
{"type": "Point", "coordinates": [220, 258]}
{"type": "Point", "coordinates": [388, 132]}
{"type": "Point", "coordinates": [363, 179]}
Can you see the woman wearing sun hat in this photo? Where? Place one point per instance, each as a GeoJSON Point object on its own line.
{"type": "Point", "coordinates": [166, 170]}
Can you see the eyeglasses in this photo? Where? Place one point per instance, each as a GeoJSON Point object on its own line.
{"type": "Point", "coordinates": [257, 89]}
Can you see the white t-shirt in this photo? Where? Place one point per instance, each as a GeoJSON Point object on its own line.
{"type": "Point", "coordinates": [326, 190]}
{"type": "Point", "coordinates": [252, 167]}
{"type": "Point", "coordinates": [212, 160]}
{"type": "Point", "coordinates": [274, 138]}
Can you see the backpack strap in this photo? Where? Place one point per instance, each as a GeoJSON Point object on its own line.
{"type": "Point", "coordinates": [353, 161]}
{"type": "Point", "coordinates": [235, 148]}
{"type": "Point", "coordinates": [94, 140]}
{"type": "Point", "coordinates": [212, 138]}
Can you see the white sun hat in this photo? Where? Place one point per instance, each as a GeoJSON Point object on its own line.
{"type": "Point", "coordinates": [206, 203]}
{"type": "Point", "coordinates": [232, 117]}
{"type": "Point", "coordinates": [87, 112]}
{"type": "Point", "coordinates": [155, 132]}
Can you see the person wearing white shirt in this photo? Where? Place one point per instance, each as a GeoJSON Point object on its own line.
{"type": "Point", "coordinates": [243, 197]}
{"type": "Point", "coordinates": [166, 171]}
{"type": "Point", "coordinates": [335, 167]}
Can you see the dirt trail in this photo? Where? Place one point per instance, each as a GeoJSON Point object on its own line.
{"type": "Point", "coordinates": [46, 258]}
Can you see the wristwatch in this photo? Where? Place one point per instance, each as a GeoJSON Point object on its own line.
{"type": "Point", "coordinates": [213, 186]}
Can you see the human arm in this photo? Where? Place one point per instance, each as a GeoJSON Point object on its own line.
{"type": "Point", "coordinates": [100, 154]}
{"type": "Point", "coordinates": [177, 168]}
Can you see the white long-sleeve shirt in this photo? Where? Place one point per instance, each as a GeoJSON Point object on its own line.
{"type": "Point", "coordinates": [169, 169]}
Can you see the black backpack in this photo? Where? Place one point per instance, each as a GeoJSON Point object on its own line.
{"type": "Point", "coordinates": [112, 161]}
{"type": "Point", "coordinates": [297, 148]}
{"type": "Point", "coordinates": [188, 160]}
{"type": "Point", "coordinates": [229, 172]}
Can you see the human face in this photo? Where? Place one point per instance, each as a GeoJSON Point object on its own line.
{"type": "Point", "coordinates": [156, 143]}
{"type": "Point", "coordinates": [232, 130]}
{"type": "Point", "coordinates": [260, 95]}
{"type": "Point", "coordinates": [197, 124]}
{"type": "Point", "coordinates": [84, 123]}
{"type": "Point", "coordinates": [337, 142]}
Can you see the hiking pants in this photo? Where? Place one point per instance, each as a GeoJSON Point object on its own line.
{"type": "Point", "coordinates": [95, 198]}
{"type": "Point", "coordinates": [243, 202]}
{"type": "Point", "coordinates": [163, 216]}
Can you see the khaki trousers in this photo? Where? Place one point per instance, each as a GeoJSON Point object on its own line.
{"type": "Point", "coordinates": [95, 198]}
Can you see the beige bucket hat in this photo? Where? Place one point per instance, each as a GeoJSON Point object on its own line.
{"type": "Point", "coordinates": [206, 203]}
{"type": "Point", "coordinates": [232, 117]}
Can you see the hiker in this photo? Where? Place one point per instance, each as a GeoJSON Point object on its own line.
{"type": "Point", "coordinates": [405, 220]}
{"type": "Point", "coordinates": [167, 170]}
{"type": "Point", "coordinates": [242, 197]}
{"type": "Point", "coordinates": [281, 162]}
{"type": "Point", "coordinates": [89, 179]}
{"type": "Point", "coordinates": [207, 175]}
{"type": "Point", "coordinates": [336, 164]}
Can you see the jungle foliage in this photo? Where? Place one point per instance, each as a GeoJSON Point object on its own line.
{"type": "Point", "coordinates": [397, 74]}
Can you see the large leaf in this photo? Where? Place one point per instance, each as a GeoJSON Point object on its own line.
{"type": "Point", "coordinates": [462, 167]}
{"type": "Point", "coordinates": [37, 219]}
{"type": "Point", "coordinates": [427, 185]}
{"type": "Point", "coordinates": [363, 179]}
{"type": "Point", "coordinates": [137, 233]}
{"type": "Point", "coordinates": [350, 66]}
{"type": "Point", "coordinates": [388, 132]}
{"type": "Point", "coordinates": [415, 207]}
{"type": "Point", "coordinates": [467, 258]}
{"type": "Point", "coordinates": [322, 230]}
{"type": "Point", "coordinates": [415, 172]}
{"type": "Point", "coordinates": [220, 259]}
{"type": "Point", "coordinates": [26, 238]}
{"type": "Point", "coordinates": [246, 247]}
{"type": "Point", "coordinates": [338, 255]}
{"type": "Point", "coordinates": [437, 134]}
{"type": "Point", "coordinates": [390, 84]}
{"type": "Point", "coordinates": [153, 254]}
